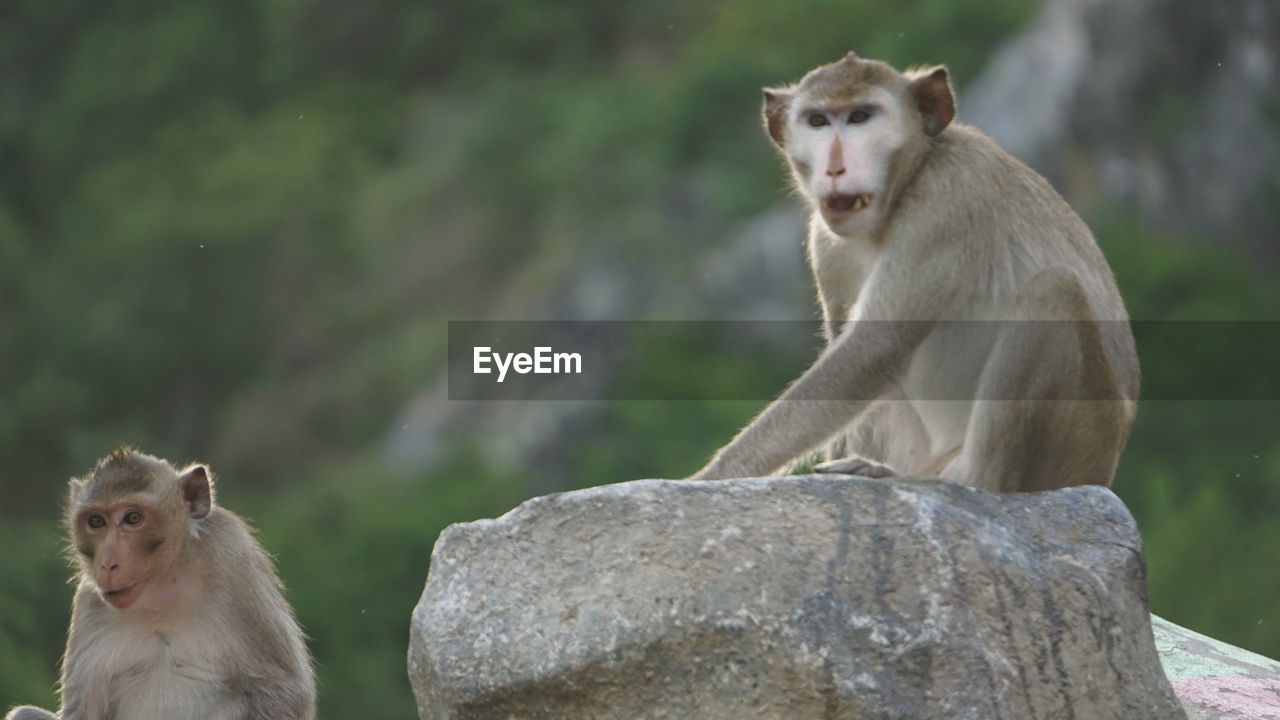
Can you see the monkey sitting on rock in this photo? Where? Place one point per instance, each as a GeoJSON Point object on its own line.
{"type": "Point", "coordinates": [974, 329]}
{"type": "Point", "coordinates": [179, 614]}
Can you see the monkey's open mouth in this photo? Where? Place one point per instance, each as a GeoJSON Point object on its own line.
{"type": "Point", "coordinates": [839, 202]}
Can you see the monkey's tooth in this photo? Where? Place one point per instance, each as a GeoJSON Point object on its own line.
{"type": "Point", "coordinates": [841, 203]}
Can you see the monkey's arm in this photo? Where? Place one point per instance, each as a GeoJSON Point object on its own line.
{"type": "Point", "coordinates": [914, 284]}
{"type": "Point", "coordinates": [287, 699]}
{"type": "Point", "coordinates": [280, 687]}
{"type": "Point", "coordinates": [862, 364]}
{"type": "Point", "coordinates": [269, 702]}
{"type": "Point", "coordinates": [265, 693]}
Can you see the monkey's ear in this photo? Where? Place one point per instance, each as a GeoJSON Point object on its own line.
{"type": "Point", "coordinates": [775, 114]}
{"type": "Point", "coordinates": [933, 96]}
{"type": "Point", "coordinates": [197, 491]}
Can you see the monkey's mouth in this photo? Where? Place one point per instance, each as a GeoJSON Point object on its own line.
{"type": "Point", "coordinates": [121, 598]}
{"type": "Point", "coordinates": [842, 203]}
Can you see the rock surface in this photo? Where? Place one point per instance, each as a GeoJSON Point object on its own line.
{"type": "Point", "coordinates": [1214, 680]}
{"type": "Point", "coordinates": [803, 597]}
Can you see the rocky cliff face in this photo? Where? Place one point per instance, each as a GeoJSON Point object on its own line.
{"type": "Point", "coordinates": [803, 597]}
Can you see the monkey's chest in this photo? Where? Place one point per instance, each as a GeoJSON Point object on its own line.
{"type": "Point", "coordinates": [164, 678]}
{"type": "Point", "coordinates": [943, 377]}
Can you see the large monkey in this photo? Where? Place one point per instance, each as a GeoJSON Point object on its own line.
{"type": "Point", "coordinates": [179, 613]}
{"type": "Point", "coordinates": [918, 222]}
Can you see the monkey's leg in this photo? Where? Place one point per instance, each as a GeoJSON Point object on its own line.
{"type": "Point", "coordinates": [1049, 412]}
{"type": "Point", "coordinates": [851, 451]}
{"type": "Point", "coordinates": [27, 712]}
{"type": "Point", "coordinates": [888, 438]}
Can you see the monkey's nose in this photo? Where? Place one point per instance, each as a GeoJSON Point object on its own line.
{"type": "Point", "coordinates": [836, 172]}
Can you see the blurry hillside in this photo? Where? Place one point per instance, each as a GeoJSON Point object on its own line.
{"type": "Point", "coordinates": [1165, 106]}
{"type": "Point", "coordinates": [235, 231]}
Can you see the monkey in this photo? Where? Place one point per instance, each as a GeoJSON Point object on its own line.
{"type": "Point", "coordinates": [178, 613]}
{"type": "Point", "coordinates": [974, 331]}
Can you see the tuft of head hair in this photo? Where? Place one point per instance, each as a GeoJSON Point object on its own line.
{"type": "Point", "coordinates": [126, 471]}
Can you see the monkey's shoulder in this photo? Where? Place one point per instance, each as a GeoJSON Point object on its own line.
{"type": "Point", "coordinates": [228, 548]}
{"type": "Point", "coordinates": [965, 150]}
{"type": "Point", "coordinates": [220, 516]}
{"type": "Point", "coordinates": [996, 198]}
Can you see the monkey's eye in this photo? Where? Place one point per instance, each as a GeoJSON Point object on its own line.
{"type": "Point", "coordinates": [133, 517]}
{"type": "Point", "coordinates": [818, 120]}
{"type": "Point", "coordinates": [860, 115]}
{"type": "Point", "coordinates": [97, 522]}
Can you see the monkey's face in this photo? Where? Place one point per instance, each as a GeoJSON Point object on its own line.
{"type": "Point", "coordinates": [123, 547]}
{"type": "Point", "coordinates": [841, 151]}
{"type": "Point", "coordinates": [852, 131]}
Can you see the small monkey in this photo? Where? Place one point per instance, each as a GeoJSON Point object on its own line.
{"type": "Point", "coordinates": [179, 614]}
{"type": "Point", "coordinates": [974, 330]}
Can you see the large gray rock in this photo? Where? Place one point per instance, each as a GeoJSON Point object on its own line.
{"type": "Point", "coordinates": [804, 597]}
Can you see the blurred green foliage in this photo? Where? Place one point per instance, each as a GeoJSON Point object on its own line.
{"type": "Point", "coordinates": [233, 231]}
{"type": "Point", "coordinates": [1201, 476]}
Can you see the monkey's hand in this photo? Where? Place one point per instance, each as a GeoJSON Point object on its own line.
{"type": "Point", "coordinates": [855, 465]}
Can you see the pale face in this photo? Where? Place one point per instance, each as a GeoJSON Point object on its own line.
{"type": "Point", "coordinates": [841, 152]}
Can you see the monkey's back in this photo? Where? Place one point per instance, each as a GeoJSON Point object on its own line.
{"type": "Point", "coordinates": [1020, 227]}
{"type": "Point", "coordinates": [1002, 246]}
{"type": "Point", "coordinates": [1015, 217]}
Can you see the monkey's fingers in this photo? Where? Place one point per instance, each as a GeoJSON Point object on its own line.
{"type": "Point", "coordinates": [855, 465]}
